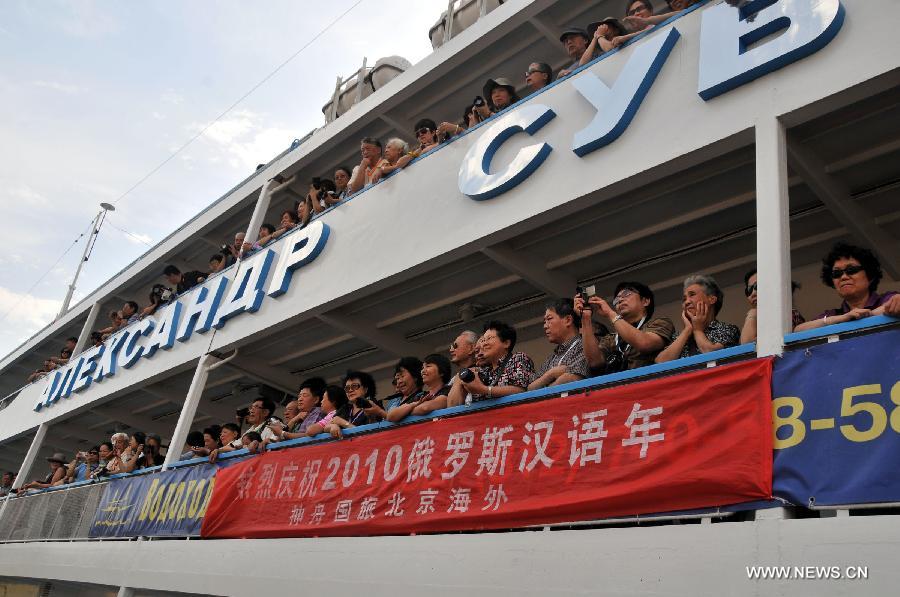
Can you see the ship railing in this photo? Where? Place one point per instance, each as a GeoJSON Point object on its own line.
{"type": "Point", "coordinates": [66, 512]}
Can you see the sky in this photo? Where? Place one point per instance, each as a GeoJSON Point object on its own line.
{"type": "Point", "coordinates": [95, 94]}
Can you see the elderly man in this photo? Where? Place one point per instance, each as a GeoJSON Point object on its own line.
{"type": "Point", "coordinates": [370, 149]}
{"type": "Point", "coordinates": [575, 40]}
{"type": "Point", "coordinates": [636, 339]}
{"type": "Point", "coordinates": [702, 332]}
{"type": "Point", "coordinates": [538, 75]}
{"type": "Point", "coordinates": [567, 362]}
{"type": "Point", "coordinates": [258, 418]}
{"type": "Point", "coordinates": [462, 350]}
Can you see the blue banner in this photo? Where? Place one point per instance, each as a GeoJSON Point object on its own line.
{"type": "Point", "coordinates": [836, 414]}
{"type": "Point", "coordinates": [169, 504]}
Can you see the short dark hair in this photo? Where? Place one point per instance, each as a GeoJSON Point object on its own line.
{"type": "Point", "coordinates": [217, 257]}
{"type": "Point", "coordinates": [372, 141]}
{"type": "Point", "coordinates": [171, 270]}
{"type": "Point", "coordinates": [327, 185]}
{"type": "Point", "coordinates": [253, 436]}
{"type": "Point", "coordinates": [195, 438]}
{"type": "Point", "coordinates": [65, 353]}
{"type": "Point", "coordinates": [316, 386]}
{"type": "Point", "coordinates": [346, 169]}
{"type": "Point", "coordinates": [749, 275]}
{"type": "Point", "coordinates": [291, 214]}
{"type": "Point", "coordinates": [646, 4]}
{"type": "Point", "coordinates": [366, 380]}
{"type": "Point", "coordinates": [108, 445]}
{"type": "Point", "coordinates": [213, 431]}
{"type": "Point", "coordinates": [425, 123]}
{"type": "Point", "coordinates": [268, 228]}
{"type": "Point", "coordinates": [413, 365]}
{"type": "Point", "coordinates": [338, 398]}
{"type": "Point", "coordinates": [72, 339]}
{"type": "Point", "coordinates": [443, 365]}
{"type": "Point", "coordinates": [133, 305]}
{"type": "Point", "coordinates": [866, 259]}
{"type": "Point", "coordinates": [139, 436]}
{"type": "Point", "coordinates": [266, 404]}
{"type": "Point", "coordinates": [233, 427]}
{"type": "Point", "coordinates": [565, 307]}
{"type": "Point", "coordinates": [505, 332]}
{"type": "Point", "coordinates": [643, 291]}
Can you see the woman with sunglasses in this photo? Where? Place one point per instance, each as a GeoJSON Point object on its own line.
{"type": "Point", "coordinates": [854, 273]}
{"type": "Point", "coordinates": [360, 389]}
{"type": "Point", "coordinates": [748, 330]}
{"type": "Point", "coordinates": [427, 135]}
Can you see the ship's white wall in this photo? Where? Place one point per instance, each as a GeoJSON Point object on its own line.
{"type": "Point", "coordinates": [419, 216]}
{"type": "Point", "coordinates": [678, 560]}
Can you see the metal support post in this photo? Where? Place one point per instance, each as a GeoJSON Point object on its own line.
{"type": "Point", "coordinates": [125, 592]}
{"type": "Point", "coordinates": [85, 334]}
{"type": "Point", "coordinates": [30, 456]}
{"type": "Point", "coordinates": [206, 364]}
{"type": "Point", "coordinates": [360, 78]}
{"type": "Point", "coordinates": [259, 213]}
{"type": "Point", "coordinates": [773, 251]}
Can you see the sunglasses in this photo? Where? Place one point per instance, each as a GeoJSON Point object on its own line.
{"type": "Point", "coordinates": [850, 270]}
{"type": "Point", "coordinates": [531, 71]}
{"type": "Point", "coordinates": [750, 289]}
{"type": "Point", "coordinates": [352, 387]}
{"type": "Point", "coordinates": [634, 11]}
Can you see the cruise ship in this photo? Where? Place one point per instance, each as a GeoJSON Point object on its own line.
{"type": "Point", "coordinates": [735, 134]}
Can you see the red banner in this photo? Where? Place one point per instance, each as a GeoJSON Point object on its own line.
{"type": "Point", "coordinates": [695, 440]}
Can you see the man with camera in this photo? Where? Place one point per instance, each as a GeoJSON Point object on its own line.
{"type": "Point", "coordinates": [636, 337]}
{"type": "Point", "coordinates": [83, 466]}
{"type": "Point", "coordinates": [567, 362]}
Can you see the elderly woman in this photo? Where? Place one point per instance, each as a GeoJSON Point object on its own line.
{"type": "Point", "coordinates": [504, 373]}
{"type": "Point", "coordinates": [748, 330]}
{"type": "Point", "coordinates": [436, 374]}
{"type": "Point", "coordinates": [396, 156]}
{"type": "Point", "coordinates": [408, 381]}
{"type": "Point", "coordinates": [854, 273]}
{"type": "Point", "coordinates": [602, 33]}
{"type": "Point", "coordinates": [341, 181]}
{"type": "Point", "coordinates": [702, 332]}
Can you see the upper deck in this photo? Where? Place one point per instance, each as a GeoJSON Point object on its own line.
{"type": "Point", "coordinates": [772, 172]}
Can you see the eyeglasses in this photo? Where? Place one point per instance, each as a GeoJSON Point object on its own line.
{"type": "Point", "coordinates": [352, 387]}
{"type": "Point", "coordinates": [622, 296]}
{"type": "Point", "coordinates": [531, 71]}
{"type": "Point", "coordinates": [750, 289]}
{"type": "Point", "coordinates": [850, 270]}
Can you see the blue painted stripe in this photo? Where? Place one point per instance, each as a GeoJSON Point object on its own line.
{"type": "Point", "coordinates": [842, 328]}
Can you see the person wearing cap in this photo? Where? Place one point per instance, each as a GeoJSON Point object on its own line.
{"type": "Point", "coordinates": [499, 94]}
{"type": "Point", "coordinates": [56, 476]}
{"type": "Point", "coordinates": [575, 40]}
{"type": "Point", "coordinates": [602, 33]}
{"type": "Point", "coordinates": [538, 75]}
